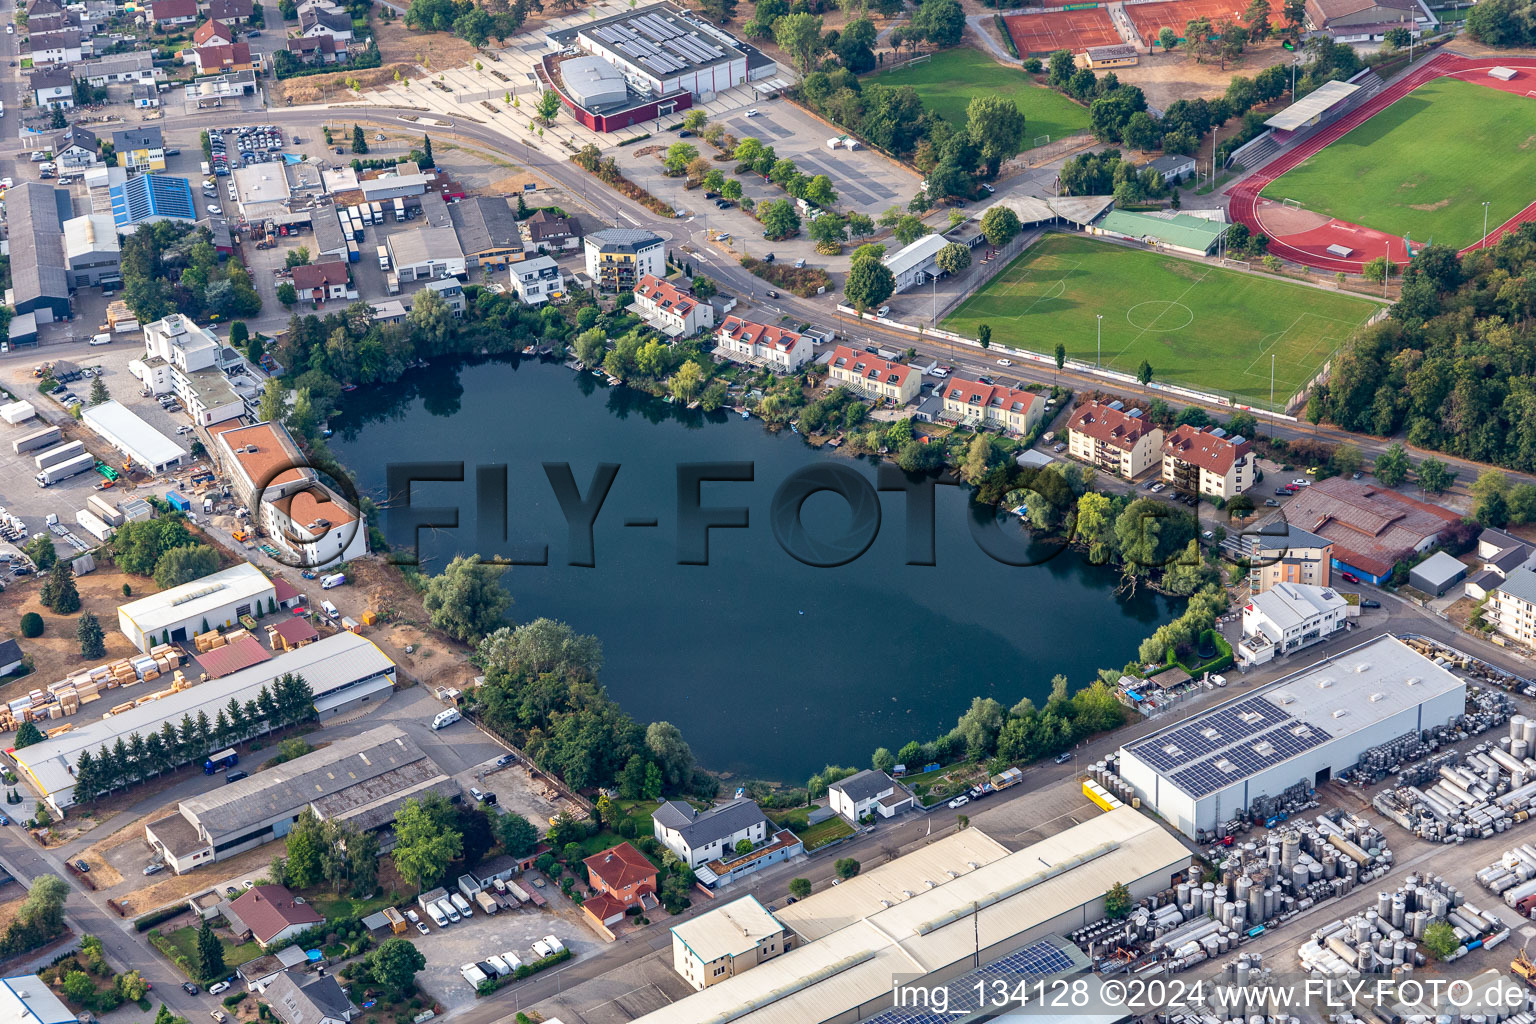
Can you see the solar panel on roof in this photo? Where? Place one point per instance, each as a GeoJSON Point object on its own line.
{"type": "Point", "coordinates": [1045, 957]}
{"type": "Point", "coordinates": [1195, 740]}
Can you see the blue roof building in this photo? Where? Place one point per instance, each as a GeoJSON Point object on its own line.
{"type": "Point", "coordinates": [146, 198]}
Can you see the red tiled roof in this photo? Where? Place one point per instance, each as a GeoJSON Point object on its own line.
{"type": "Point", "coordinates": [317, 44]}
{"type": "Point", "coordinates": [1200, 447]}
{"type": "Point", "coordinates": [224, 55]}
{"type": "Point", "coordinates": [604, 907]}
{"type": "Point", "coordinates": [270, 456]}
{"type": "Point", "coordinates": [319, 275]}
{"type": "Point", "coordinates": [754, 333]}
{"type": "Point", "coordinates": [993, 396]}
{"type": "Point", "coordinates": [665, 295]}
{"type": "Point", "coordinates": [233, 657]}
{"type": "Point", "coordinates": [1112, 426]}
{"type": "Point", "coordinates": [870, 367]}
{"type": "Point", "coordinates": [210, 29]}
{"type": "Point", "coordinates": [307, 506]}
{"type": "Point", "coordinates": [167, 9]}
{"type": "Point", "coordinates": [268, 909]}
{"type": "Point", "coordinates": [283, 590]}
{"type": "Point", "coordinates": [1369, 525]}
{"type": "Point", "coordinates": [620, 866]}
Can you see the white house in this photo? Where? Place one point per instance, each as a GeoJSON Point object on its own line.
{"type": "Point", "coordinates": [1511, 608]}
{"type": "Point", "coordinates": [1288, 617]}
{"type": "Point", "coordinates": [537, 280]}
{"type": "Point", "coordinates": [58, 47]}
{"type": "Point", "coordinates": [181, 357]}
{"type": "Point", "coordinates": [617, 258]}
{"type": "Point", "coordinates": [699, 837]}
{"type": "Point", "coordinates": [52, 86]}
{"type": "Point", "coordinates": [869, 793]}
{"type": "Point", "coordinates": [913, 264]}
{"type": "Point", "coordinates": [76, 147]}
{"type": "Point", "coordinates": [755, 344]}
{"type": "Point", "coordinates": [671, 310]}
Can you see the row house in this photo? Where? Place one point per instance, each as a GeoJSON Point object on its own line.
{"type": "Point", "coordinates": [670, 309]}
{"type": "Point", "coordinates": [873, 377]}
{"type": "Point", "coordinates": [755, 344]}
{"type": "Point", "coordinates": [974, 404]}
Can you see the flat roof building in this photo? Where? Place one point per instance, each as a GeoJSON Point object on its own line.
{"type": "Point", "coordinates": [1437, 573]}
{"type": "Point", "coordinates": [726, 941]}
{"type": "Point", "coordinates": [1301, 730]}
{"type": "Point", "coordinates": [27, 999]}
{"type": "Point", "coordinates": [143, 445]}
{"type": "Point", "coordinates": [178, 614]}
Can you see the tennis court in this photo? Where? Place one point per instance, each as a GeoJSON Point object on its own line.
{"type": "Point", "coordinates": [1150, 19]}
{"type": "Point", "coordinates": [1040, 35]}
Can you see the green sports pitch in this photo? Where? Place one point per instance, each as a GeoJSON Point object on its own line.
{"type": "Point", "coordinates": [1202, 326]}
{"type": "Point", "coordinates": [1423, 167]}
{"type": "Point", "coordinates": [947, 81]}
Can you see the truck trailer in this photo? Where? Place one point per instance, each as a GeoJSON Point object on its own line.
{"type": "Point", "coordinates": [60, 454]}
{"type": "Point", "coordinates": [105, 510]}
{"type": "Point", "coordinates": [93, 525]}
{"type": "Point", "coordinates": [64, 470]}
{"type": "Point", "coordinates": [487, 902]}
{"type": "Point", "coordinates": [40, 438]}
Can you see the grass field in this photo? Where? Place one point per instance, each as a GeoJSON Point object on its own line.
{"type": "Point", "coordinates": [947, 81]}
{"type": "Point", "coordinates": [1424, 166]}
{"type": "Point", "coordinates": [1198, 325]}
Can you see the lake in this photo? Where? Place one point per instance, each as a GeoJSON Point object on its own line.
{"type": "Point", "coordinates": [771, 667]}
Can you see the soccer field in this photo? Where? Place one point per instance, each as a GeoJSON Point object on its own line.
{"type": "Point", "coordinates": [1424, 166]}
{"type": "Point", "coordinates": [947, 81]}
{"type": "Point", "coordinates": [1198, 325]}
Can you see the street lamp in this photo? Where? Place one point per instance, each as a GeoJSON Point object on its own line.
{"type": "Point", "coordinates": [1099, 359]}
{"type": "Point", "coordinates": [1485, 226]}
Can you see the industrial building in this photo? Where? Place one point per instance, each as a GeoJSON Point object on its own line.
{"type": "Point", "coordinates": [39, 271]}
{"type": "Point", "coordinates": [141, 445]}
{"type": "Point", "coordinates": [937, 914]}
{"type": "Point", "coordinates": [361, 780]}
{"type": "Point", "coordinates": [213, 602]}
{"type": "Point", "coordinates": [92, 253]}
{"type": "Point", "coordinates": [147, 198]}
{"type": "Point", "coordinates": [1299, 731]}
{"type": "Point", "coordinates": [1370, 526]}
{"type": "Point", "coordinates": [343, 672]}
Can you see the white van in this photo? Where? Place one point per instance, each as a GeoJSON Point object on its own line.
{"type": "Point", "coordinates": [553, 944]}
{"type": "Point", "coordinates": [446, 718]}
{"type": "Point", "coordinates": [335, 579]}
{"type": "Point", "coordinates": [438, 917]}
{"type": "Point", "coordinates": [502, 968]}
{"type": "Point", "coordinates": [447, 909]}
{"type": "Point", "coordinates": [513, 960]}
{"type": "Point", "coordinates": [102, 339]}
{"type": "Point", "coordinates": [329, 609]}
{"type": "Point", "coordinates": [472, 974]}
{"type": "Point", "coordinates": [461, 905]}
{"type": "Point", "coordinates": [540, 950]}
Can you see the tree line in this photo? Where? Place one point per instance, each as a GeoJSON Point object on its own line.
{"type": "Point", "coordinates": [137, 757]}
{"type": "Point", "coordinates": [169, 267]}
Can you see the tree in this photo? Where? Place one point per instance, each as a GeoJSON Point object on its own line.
{"type": "Point", "coordinates": [779, 219]}
{"type": "Point", "coordinates": [653, 782]}
{"type": "Point", "coordinates": [1117, 902]}
{"type": "Point", "coordinates": [306, 847]}
{"type": "Point", "coordinates": [288, 295]}
{"type": "Point", "coordinates": [940, 22]}
{"type": "Point", "coordinates": [99, 391]}
{"type": "Point", "coordinates": [543, 646]}
{"type": "Point", "coordinates": [1440, 939]}
{"type": "Point", "coordinates": [210, 953]}
{"type": "Point", "coordinates": [909, 229]}
{"type": "Point", "coordinates": [185, 564]}
{"type": "Point", "coordinates": [953, 258]}
{"type": "Point", "coordinates": [686, 381]}
{"type": "Point", "coordinates": [666, 744]}
{"type": "Point", "coordinates": [1167, 38]}
{"type": "Point", "coordinates": [59, 592]}
{"type": "Point", "coordinates": [799, 35]}
{"type": "Point", "coordinates": [678, 156]}
{"type": "Point", "coordinates": [424, 846]}
{"type": "Point", "coordinates": [1144, 373]}
{"type": "Point", "coordinates": [995, 127]}
{"type": "Point", "coordinates": [1061, 356]}
{"type": "Point", "coordinates": [846, 868]}
{"type": "Point", "coordinates": [393, 966]}
{"type": "Point", "coordinates": [829, 230]}
{"type": "Point", "coordinates": [1493, 511]}
{"type": "Point", "coordinates": [883, 760]}
{"type": "Point", "coordinates": [1391, 466]}
{"type": "Point", "coordinates": [359, 139]}
{"type": "Point", "coordinates": [1379, 269]}
{"type": "Point", "coordinates": [41, 550]}
{"type": "Point", "coordinates": [296, 257]}
{"type": "Point", "coordinates": [548, 106]}
{"type": "Point", "coordinates": [31, 625]}
{"type": "Point", "coordinates": [516, 834]}
{"type": "Point", "coordinates": [27, 735]}
{"type": "Point", "coordinates": [466, 599]}
{"type": "Point", "coordinates": [744, 847]}
{"type": "Point", "coordinates": [92, 640]}
{"type": "Point", "coordinates": [869, 284]}
{"type": "Point", "coordinates": [984, 335]}
{"type": "Point", "coordinates": [1434, 477]}
{"type": "Point", "coordinates": [980, 458]}
{"type": "Point", "coordinates": [1347, 459]}
{"type": "Point", "coordinates": [799, 888]}
{"type": "Point", "coordinates": [1397, 38]}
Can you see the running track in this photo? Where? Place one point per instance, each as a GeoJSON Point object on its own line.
{"type": "Point", "coordinates": [1244, 195]}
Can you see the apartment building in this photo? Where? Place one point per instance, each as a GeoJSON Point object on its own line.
{"type": "Point", "coordinates": [1205, 460]}
{"type": "Point", "coordinates": [617, 258]}
{"type": "Point", "coordinates": [182, 358]}
{"type": "Point", "coordinates": [537, 280]}
{"type": "Point", "coordinates": [1281, 553]}
{"type": "Point", "coordinates": [720, 944]}
{"type": "Point", "coordinates": [1511, 609]}
{"type": "Point", "coordinates": [975, 404]}
{"type": "Point", "coordinates": [873, 377]}
{"type": "Point", "coordinates": [755, 344]}
{"type": "Point", "coordinates": [1113, 438]}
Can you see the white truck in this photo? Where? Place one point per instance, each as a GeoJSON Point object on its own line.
{"type": "Point", "coordinates": [64, 470]}
{"type": "Point", "coordinates": [438, 917]}
{"type": "Point", "coordinates": [447, 910]}
{"type": "Point", "coordinates": [93, 526]}
{"type": "Point", "coordinates": [472, 974]}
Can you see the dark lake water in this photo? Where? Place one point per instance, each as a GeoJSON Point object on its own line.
{"type": "Point", "coordinates": [771, 667]}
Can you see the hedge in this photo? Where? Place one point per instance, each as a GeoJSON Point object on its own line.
{"type": "Point", "coordinates": [153, 918]}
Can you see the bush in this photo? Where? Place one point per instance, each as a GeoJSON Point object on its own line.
{"type": "Point", "coordinates": [153, 918]}
{"type": "Point", "coordinates": [31, 625]}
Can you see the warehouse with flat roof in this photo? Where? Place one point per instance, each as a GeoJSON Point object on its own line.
{"type": "Point", "coordinates": [1301, 730]}
{"type": "Point", "coordinates": [360, 779]}
{"type": "Point", "coordinates": [141, 444]}
{"type": "Point", "coordinates": [180, 613]}
{"type": "Point", "coordinates": [343, 671]}
{"type": "Point", "coordinates": [941, 928]}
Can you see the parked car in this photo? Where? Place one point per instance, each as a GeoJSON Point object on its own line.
{"type": "Point", "coordinates": [752, 112]}
{"type": "Point", "coordinates": [82, 865]}
{"type": "Point", "coordinates": [1368, 603]}
{"type": "Point", "coordinates": [189, 988]}
{"type": "Point", "coordinates": [799, 263]}
{"type": "Point", "coordinates": [215, 989]}
{"type": "Point", "coordinates": [1349, 577]}
{"type": "Point", "coordinates": [988, 189]}
{"type": "Point", "coordinates": [1271, 502]}
{"type": "Point", "coordinates": [959, 801]}
{"type": "Point", "coordinates": [154, 869]}
{"type": "Point", "coordinates": [883, 311]}
{"type": "Point", "coordinates": [505, 759]}
{"type": "Point", "coordinates": [1063, 758]}
{"type": "Point", "coordinates": [474, 791]}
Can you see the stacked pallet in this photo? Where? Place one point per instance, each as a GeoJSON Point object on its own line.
{"type": "Point", "coordinates": [65, 697]}
{"type": "Point", "coordinates": [209, 641]}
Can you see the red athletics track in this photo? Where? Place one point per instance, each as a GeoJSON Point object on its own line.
{"type": "Point", "coordinates": [1309, 247]}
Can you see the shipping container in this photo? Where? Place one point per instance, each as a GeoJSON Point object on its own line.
{"type": "Point", "coordinates": [40, 438]}
{"type": "Point", "coordinates": [177, 501]}
{"type": "Point", "coordinates": [64, 470]}
{"type": "Point", "coordinates": [93, 525]}
{"type": "Point", "coordinates": [354, 255]}
{"type": "Point", "coordinates": [105, 510]}
{"type": "Point", "coordinates": [17, 412]}
{"type": "Point", "coordinates": [54, 456]}
{"type": "Point", "coordinates": [226, 758]}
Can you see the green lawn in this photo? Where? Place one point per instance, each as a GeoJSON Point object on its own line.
{"type": "Point", "coordinates": [1199, 325]}
{"type": "Point", "coordinates": [824, 832]}
{"type": "Point", "coordinates": [947, 82]}
{"type": "Point", "coordinates": [185, 941]}
{"type": "Point", "coordinates": [1424, 166]}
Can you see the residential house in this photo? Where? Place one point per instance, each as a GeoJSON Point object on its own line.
{"type": "Point", "coordinates": [1174, 167]}
{"type": "Point", "coordinates": [43, 8]}
{"type": "Point", "coordinates": [318, 18]}
{"type": "Point", "coordinates": [317, 50]}
{"type": "Point", "coordinates": [870, 793]}
{"type": "Point", "coordinates": [1115, 439]}
{"type": "Point", "coordinates": [52, 22]}
{"type": "Point", "coordinates": [975, 404]}
{"type": "Point", "coordinates": [319, 282]}
{"type": "Point", "coordinates": [270, 915]}
{"type": "Point", "coordinates": [213, 33]}
{"type": "Point", "coordinates": [1499, 554]}
{"type": "Point", "coordinates": [550, 231]}
{"type": "Point", "coordinates": [61, 46]}
{"type": "Point", "coordinates": [138, 66]}
{"type": "Point", "coordinates": [881, 380]}
{"type": "Point", "coordinates": [140, 149]}
{"type": "Point", "coordinates": [1511, 609]}
{"type": "Point", "coordinates": [258, 972]}
{"type": "Point", "coordinates": [52, 87]}
{"type": "Point", "coordinates": [10, 657]}
{"type": "Point", "coordinates": [223, 59]}
{"type": "Point", "coordinates": [670, 309]}
{"type": "Point", "coordinates": [1282, 553]}
{"type": "Point", "coordinates": [755, 344]}
{"type": "Point", "coordinates": [487, 230]}
{"type": "Point", "coordinates": [699, 837]}
{"type": "Point", "coordinates": [623, 878]}
{"type": "Point", "coordinates": [1287, 617]}
{"type": "Point", "coordinates": [308, 999]}
{"type": "Point", "coordinates": [231, 12]}
{"type": "Point", "coordinates": [1371, 527]}
{"type": "Point", "coordinates": [76, 147]}
{"type": "Point", "coordinates": [1204, 460]}
{"type": "Point", "coordinates": [722, 943]}
{"type": "Point", "coordinates": [170, 13]}
{"type": "Point", "coordinates": [617, 258]}
{"type": "Point", "coordinates": [451, 291]}
{"type": "Point", "coordinates": [538, 280]}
